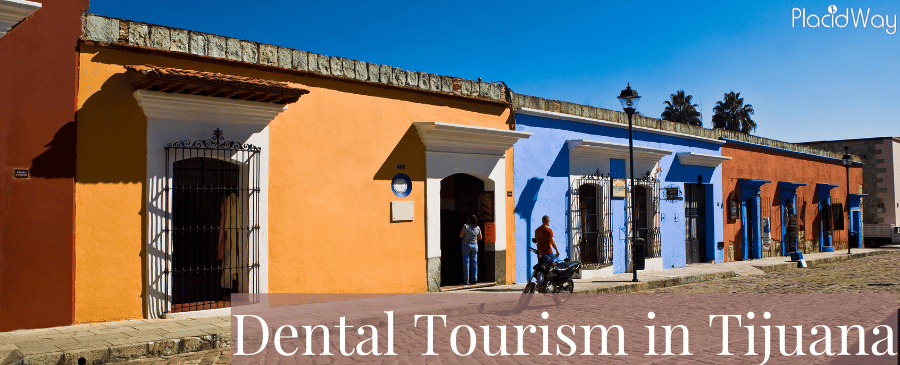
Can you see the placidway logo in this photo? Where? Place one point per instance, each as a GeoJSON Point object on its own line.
{"type": "Point", "coordinates": [859, 18]}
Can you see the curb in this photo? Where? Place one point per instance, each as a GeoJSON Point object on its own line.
{"type": "Point", "coordinates": [126, 352]}
{"type": "Point", "coordinates": [656, 284]}
{"type": "Point", "coordinates": [816, 262]}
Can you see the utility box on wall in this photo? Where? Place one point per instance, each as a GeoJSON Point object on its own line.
{"type": "Point", "coordinates": [402, 211]}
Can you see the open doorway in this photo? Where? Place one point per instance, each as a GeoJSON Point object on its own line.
{"type": "Point", "coordinates": [462, 195]}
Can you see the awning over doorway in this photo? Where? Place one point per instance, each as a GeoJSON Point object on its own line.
{"type": "Point", "coordinates": [456, 138]}
{"type": "Point", "coordinates": [856, 200]}
{"type": "Point", "coordinates": [615, 150]}
{"type": "Point", "coordinates": [190, 82]}
{"type": "Point", "coordinates": [700, 159]}
{"type": "Point", "coordinates": [788, 189]}
{"type": "Point", "coordinates": [824, 190]}
{"type": "Point", "coordinates": [751, 185]}
{"type": "Point", "coordinates": [587, 157]}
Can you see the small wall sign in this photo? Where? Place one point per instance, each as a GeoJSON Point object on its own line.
{"type": "Point", "coordinates": [673, 192]}
{"type": "Point", "coordinates": [402, 211]}
{"type": "Point", "coordinates": [766, 233]}
{"type": "Point", "coordinates": [401, 185]}
{"type": "Point", "coordinates": [21, 174]}
{"type": "Point", "coordinates": [618, 188]}
{"type": "Point", "coordinates": [733, 209]}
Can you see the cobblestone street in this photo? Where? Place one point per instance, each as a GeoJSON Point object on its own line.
{"type": "Point", "coordinates": [873, 274]}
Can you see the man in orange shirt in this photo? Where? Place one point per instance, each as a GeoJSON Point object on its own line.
{"type": "Point", "coordinates": [544, 237]}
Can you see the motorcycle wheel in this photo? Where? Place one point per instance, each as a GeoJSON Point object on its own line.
{"type": "Point", "coordinates": [541, 282]}
{"type": "Point", "coordinates": [529, 288]}
{"type": "Point", "coordinates": [564, 292]}
{"type": "Point", "coordinates": [568, 287]}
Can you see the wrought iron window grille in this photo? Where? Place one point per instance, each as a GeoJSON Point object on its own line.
{"type": "Point", "coordinates": [591, 226]}
{"type": "Point", "coordinates": [212, 196]}
{"type": "Point", "coordinates": [648, 215]}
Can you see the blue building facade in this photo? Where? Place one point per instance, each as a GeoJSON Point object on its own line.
{"type": "Point", "coordinates": [575, 169]}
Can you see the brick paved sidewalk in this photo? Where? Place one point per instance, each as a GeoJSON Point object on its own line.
{"type": "Point", "coordinates": [136, 339]}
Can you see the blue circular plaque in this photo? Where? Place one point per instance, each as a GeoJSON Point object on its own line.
{"type": "Point", "coordinates": [401, 185]}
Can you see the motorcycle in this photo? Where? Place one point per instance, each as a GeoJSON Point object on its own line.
{"type": "Point", "coordinates": [551, 275]}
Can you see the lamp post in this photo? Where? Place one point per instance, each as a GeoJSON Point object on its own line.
{"type": "Point", "coordinates": [629, 99]}
{"type": "Point", "coordinates": [846, 160]}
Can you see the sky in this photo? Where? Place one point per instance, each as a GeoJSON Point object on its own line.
{"type": "Point", "coordinates": [805, 83]}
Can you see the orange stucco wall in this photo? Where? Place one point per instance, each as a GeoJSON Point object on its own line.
{"type": "Point", "coordinates": [749, 162]}
{"type": "Point", "coordinates": [109, 209]}
{"type": "Point", "coordinates": [332, 155]}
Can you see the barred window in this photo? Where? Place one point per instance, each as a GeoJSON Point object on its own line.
{"type": "Point", "coordinates": [646, 217]}
{"type": "Point", "coordinates": [213, 222]}
{"type": "Point", "coordinates": [591, 235]}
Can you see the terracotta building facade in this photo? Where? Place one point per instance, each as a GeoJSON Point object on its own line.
{"type": "Point", "coordinates": [780, 198]}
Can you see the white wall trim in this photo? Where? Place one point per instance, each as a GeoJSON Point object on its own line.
{"type": "Point", "coordinates": [589, 157]}
{"type": "Point", "coordinates": [177, 117]}
{"type": "Point", "coordinates": [12, 12]}
{"type": "Point", "coordinates": [198, 108]}
{"type": "Point", "coordinates": [446, 137]}
{"type": "Point", "coordinates": [477, 151]}
{"type": "Point", "coordinates": [606, 123]}
{"type": "Point", "coordinates": [700, 159]}
{"type": "Point", "coordinates": [580, 147]}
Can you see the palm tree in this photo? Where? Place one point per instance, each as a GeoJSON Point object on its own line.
{"type": "Point", "coordinates": [680, 110]}
{"type": "Point", "coordinates": [731, 114]}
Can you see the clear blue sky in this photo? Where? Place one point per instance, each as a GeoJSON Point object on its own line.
{"type": "Point", "coordinates": [805, 83]}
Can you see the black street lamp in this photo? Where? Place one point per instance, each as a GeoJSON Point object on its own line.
{"type": "Point", "coordinates": [629, 99]}
{"type": "Point", "coordinates": [846, 160]}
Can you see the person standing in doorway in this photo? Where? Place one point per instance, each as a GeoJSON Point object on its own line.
{"type": "Point", "coordinates": [470, 235]}
{"type": "Point", "coordinates": [544, 237]}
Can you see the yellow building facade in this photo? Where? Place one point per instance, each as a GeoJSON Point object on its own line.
{"type": "Point", "coordinates": [358, 186]}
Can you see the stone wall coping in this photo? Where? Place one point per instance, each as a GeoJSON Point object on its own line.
{"type": "Point", "coordinates": [534, 105]}
{"type": "Point", "coordinates": [576, 118]}
{"type": "Point", "coordinates": [106, 31]}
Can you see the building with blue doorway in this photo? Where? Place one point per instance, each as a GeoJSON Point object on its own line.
{"type": "Point", "coordinates": [782, 198]}
{"type": "Point", "coordinates": [574, 169]}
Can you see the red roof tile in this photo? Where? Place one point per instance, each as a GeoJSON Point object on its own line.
{"type": "Point", "coordinates": [174, 80]}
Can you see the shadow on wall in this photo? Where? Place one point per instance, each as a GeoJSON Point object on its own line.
{"type": "Point", "coordinates": [528, 198]}
{"type": "Point", "coordinates": [58, 161]}
{"type": "Point", "coordinates": [111, 148]}
{"type": "Point", "coordinates": [524, 209]}
{"type": "Point", "coordinates": [113, 129]}
{"type": "Point", "coordinates": [407, 157]}
{"type": "Point", "coordinates": [560, 166]}
{"type": "Point", "coordinates": [115, 57]}
{"type": "Point", "coordinates": [688, 173]}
